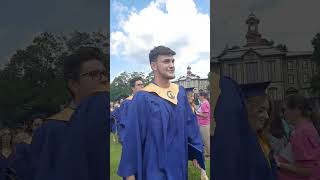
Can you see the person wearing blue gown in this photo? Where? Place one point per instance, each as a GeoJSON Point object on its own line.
{"type": "Point", "coordinates": [160, 126]}
{"type": "Point", "coordinates": [84, 155]}
{"type": "Point", "coordinates": [45, 141]}
{"type": "Point", "coordinates": [84, 72]}
{"type": "Point", "coordinates": [260, 115]}
{"type": "Point", "coordinates": [236, 153]}
{"type": "Point", "coordinates": [120, 113]}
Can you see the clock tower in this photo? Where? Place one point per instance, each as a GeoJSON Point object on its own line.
{"type": "Point", "coordinates": [253, 36]}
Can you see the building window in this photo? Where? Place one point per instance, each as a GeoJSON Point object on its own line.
{"type": "Point", "coordinates": [290, 79]}
{"type": "Point", "coordinates": [271, 70]}
{"type": "Point", "coordinates": [252, 72]}
{"type": "Point", "coordinates": [305, 65]}
{"type": "Point", "coordinates": [291, 90]}
{"type": "Point", "coordinates": [290, 66]}
{"type": "Point", "coordinates": [305, 78]}
{"type": "Point", "coordinates": [314, 68]}
{"type": "Point", "coordinates": [233, 71]}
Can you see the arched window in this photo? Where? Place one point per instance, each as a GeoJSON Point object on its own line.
{"type": "Point", "coordinates": [291, 90]}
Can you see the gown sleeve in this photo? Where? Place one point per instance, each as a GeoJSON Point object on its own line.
{"type": "Point", "coordinates": [133, 141]}
{"type": "Point", "coordinates": [195, 144]}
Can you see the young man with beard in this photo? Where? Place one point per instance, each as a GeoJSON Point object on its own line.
{"type": "Point", "coordinates": [161, 125]}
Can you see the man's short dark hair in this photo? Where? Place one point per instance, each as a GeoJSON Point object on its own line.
{"type": "Point", "coordinates": [73, 62]}
{"type": "Point", "coordinates": [134, 80]}
{"type": "Point", "coordinates": [160, 50]}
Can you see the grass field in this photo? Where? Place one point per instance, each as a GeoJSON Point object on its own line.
{"type": "Point", "coordinates": [115, 153]}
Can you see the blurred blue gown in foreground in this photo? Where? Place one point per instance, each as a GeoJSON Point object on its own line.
{"type": "Point", "coordinates": [235, 151]}
{"type": "Point", "coordinates": [84, 154]}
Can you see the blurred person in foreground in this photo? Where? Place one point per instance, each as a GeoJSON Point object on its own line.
{"type": "Point", "coordinates": [237, 151]}
{"type": "Point", "coordinates": [84, 72]}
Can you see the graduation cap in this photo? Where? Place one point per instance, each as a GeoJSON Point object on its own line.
{"type": "Point", "coordinates": [254, 89]}
{"type": "Point", "coordinates": [188, 90]}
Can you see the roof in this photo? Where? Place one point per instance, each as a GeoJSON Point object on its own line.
{"type": "Point", "coordinates": [299, 53]}
{"type": "Point", "coordinates": [259, 50]}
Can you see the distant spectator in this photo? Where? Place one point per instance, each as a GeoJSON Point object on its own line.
{"type": "Point", "coordinates": [203, 116]}
{"type": "Point", "coordinates": [304, 143]}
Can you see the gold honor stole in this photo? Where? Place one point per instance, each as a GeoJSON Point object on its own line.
{"type": "Point", "coordinates": [265, 147]}
{"type": "Point", "coordinates": [63, 115]}
{"type": "Point", "coordinates": [170, 94]}
{"type": "Point", "coordinates": [214, 96]}
{"type": "Point", "coordinates": [129, 98]}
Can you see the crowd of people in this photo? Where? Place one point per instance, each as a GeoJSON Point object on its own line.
{"type": "Point", "coordinates": [71, 143]}
{"type": "Point", "coordinates": [161, 126]}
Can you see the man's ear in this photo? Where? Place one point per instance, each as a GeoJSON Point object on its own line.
{"type": "Point", "coordinates": [154, 66]}
{"type": "Point", "coordinates": [73, 86]}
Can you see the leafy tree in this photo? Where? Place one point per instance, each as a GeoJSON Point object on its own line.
{"type": "Point", "coordinates": [32, 81]}
{"type": "Point", "coordinates": [120, 87]}
{"type": "Point", "coordinates": [149, 78]}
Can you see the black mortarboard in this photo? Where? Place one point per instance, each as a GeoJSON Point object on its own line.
{"type": "Point", "coordinates": [254, 89]}
{"type": "Point", "coordinates": [189, 89]}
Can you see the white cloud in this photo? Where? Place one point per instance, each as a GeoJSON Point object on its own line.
{"type": "Point", "coordinates": [179, 26]}
{"type": "Point", "coordinates": [201, 68]}
{"type": "Point", "coordinates": [121, 11]}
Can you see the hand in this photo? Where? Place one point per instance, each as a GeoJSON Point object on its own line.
{"type": "Point", "coordinates": [131, 177]}
{"type": "Point", "coordinates": [278, 163]}
{"type": "Point", "coordinates": [196, 164]}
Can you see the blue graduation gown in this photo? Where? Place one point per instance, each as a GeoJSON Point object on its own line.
{"type": "Point", "coordinates": [120, 115]}
{"type": "Point", "coordinates": [156, 137]}
{"type": "Point", "coordinates": [46, 142]}
{"type": "Point", "coordinates": [84, 154]}
{"type": "Point", "coordinates": [235, 151]}
{"type": "Point", "coordinates": [4, 164]}
{"type": "Point", "coordinates": [21, 163]}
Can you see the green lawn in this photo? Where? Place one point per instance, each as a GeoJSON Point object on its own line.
{"type": "Point", "coordinates": [115, 153]}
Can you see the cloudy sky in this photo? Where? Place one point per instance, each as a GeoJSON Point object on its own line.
{"type": "Point", "coordinates": [292, 22]}
{"type": "Point", "coordinates": [22, 20]}
{"type": "Point", "coordinates": [138, 26]}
